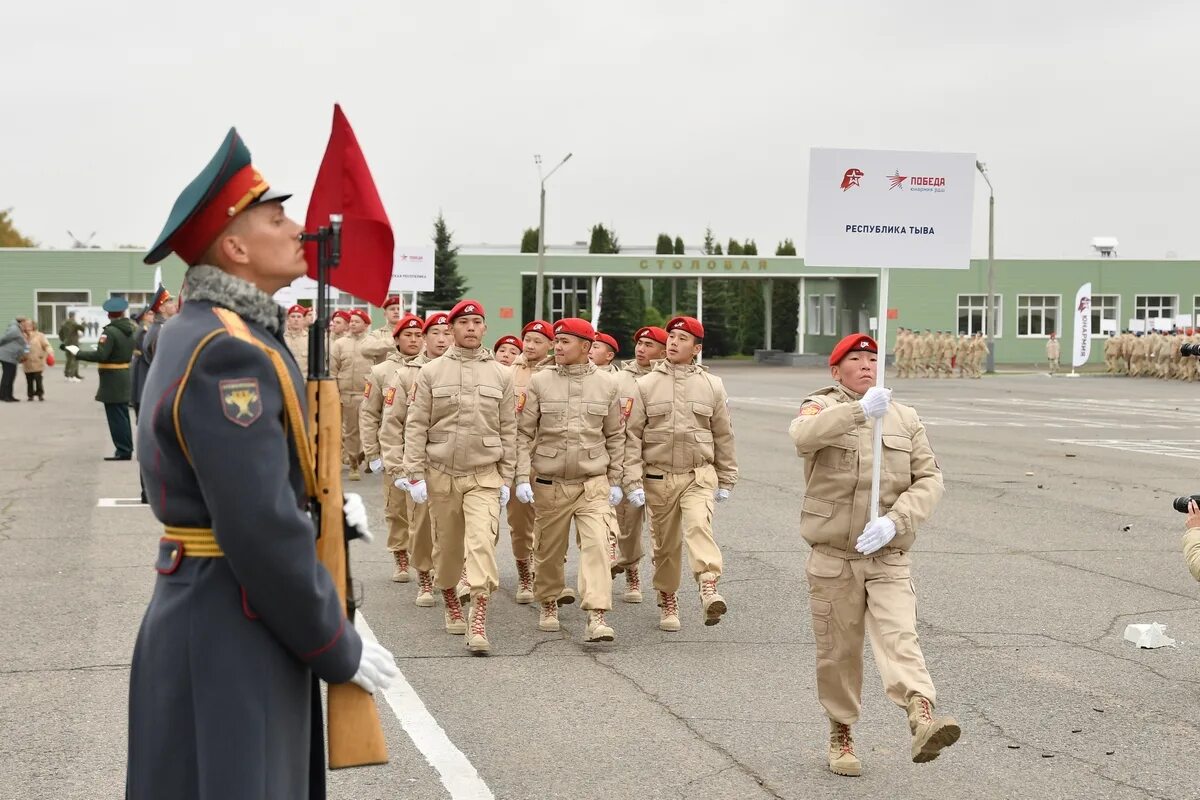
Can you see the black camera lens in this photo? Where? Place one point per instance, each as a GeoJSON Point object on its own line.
{"type": "Point", "coordinates": [1180, 504]}
{"type": "Point", "coordinates": [1189, 349]}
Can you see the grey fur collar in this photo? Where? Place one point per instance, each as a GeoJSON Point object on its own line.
{"type": "Point", "coordinates": [208, 283]}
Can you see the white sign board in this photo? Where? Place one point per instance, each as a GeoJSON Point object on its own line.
{"type": "Point", "coordinates": [1137, 325]}
{"type": "Point", "coordinates": [1162, 324]}
{"type": "Point", "coordinates": [889, 208]}
{"type": "Point", "coordinates": [412, 270]}
{"type": "Point", "coordinates": [1183, 320]}
{"type": "Point", "coordinates": [92, 318]}
{"type": "Point", "coordinates": [1108, 326]}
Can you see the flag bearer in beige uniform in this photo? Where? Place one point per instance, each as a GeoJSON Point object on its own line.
{"type": "Point", "coordinates": [679, 459]}
{"type": "Point", "coordinates": [536, 338]}
{"type": "Point", "coordinates": [858, 570]}
{"type": "Point", "coordinates": [296, 337]}
{"type": "Point", "coordinates": [460, 454]}
{"type": "Point", "coordinates": [350, 367]}
{"type": "Point", "coordinates": [408, 339]}
{"type": "Point", "coordinates": [436, 338]}
{"type": "Point", "coordinates": [572, 433]}
{"type": "Point", "coordinates": [379, 345]}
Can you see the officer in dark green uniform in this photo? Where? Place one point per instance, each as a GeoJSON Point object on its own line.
{"type": "Point", "coordinates": [112, 355]}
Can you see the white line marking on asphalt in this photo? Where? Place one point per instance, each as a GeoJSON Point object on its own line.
{"type": "Point", "coordinates": [1151, 447]}
{"type": "Point", "coordinates": [457, 773]}
{"type": "Point", "coordinates": [120, 502]}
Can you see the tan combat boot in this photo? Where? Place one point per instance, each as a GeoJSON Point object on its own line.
{"type": "Point", "coordinates": [354, 473]}
{"type": "Point", "coordinates": [930, 734]}
{"type": "Point", "coordinates": [633, 586]}
{"type": "Point", "coordinates": [524, 583]}
{"type": "Point", "coordinates": [566, 597]}
{"type": "Point", "coordinates": [477, 641]}
{"type": "Point", "coordinates": [400, 574]}
{"type": "Point", "coordinates": [598, 630]}
{"type": "Point", "coordinates": [424, 589]}
{"type": "Point", "coordinates": [456, 623]}
{"type": "Point", "coordinates": [464, 588]}
{"type": "Point", "coordinates": [714, 604]}
{"type": "Point", "coordinates": [548, 617]}
{"type": "Point", "coordinates": [842, 760]}
{"type": "Point", "coordinates": [668, 611]}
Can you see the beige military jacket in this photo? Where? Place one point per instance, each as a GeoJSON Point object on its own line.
{"type": "Point", "coordinates": [348, 365]}
{"type": "Point", "coordinates": [833, 436]}
{"type": "Point", "coordinates": [370, 413]}
{"type": "Point", "coordinates": [297, 344]}
{"type": "Point", "coordinates": [571, 428]}
{"type": "Point", "coordinates": [378, 345]}
{"type": "Point", "coordinates": [679, 421]}
{"type": "Point", "coordinates": [396, 392]}
{"type": "Point", "coordinates": [1053, 349]}
{"type": "Point", "coordinates": [461, 416]}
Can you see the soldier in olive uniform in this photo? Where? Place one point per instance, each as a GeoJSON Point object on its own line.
{"type": "Point", "coordinates": [68, 334]}
{"type": "Point", "coordinates": [223, 693]}
{"type": "Point", "coordinates": [112, 356]}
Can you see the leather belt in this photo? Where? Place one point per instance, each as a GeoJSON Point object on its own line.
{"type": "Point", "coordinates": [196, 542]}
{"type": "Point", "coordinates": [543, 481]}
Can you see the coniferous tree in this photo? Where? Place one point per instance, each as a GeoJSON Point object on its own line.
{"type": "Point", "coordinates": [448, 286]}
{"type": "Point", "coordinates": [679, 249]}
{"type": "Point", "coordinates": [529, 240]}
{"type": "Point", "coordinates": [785, 305]}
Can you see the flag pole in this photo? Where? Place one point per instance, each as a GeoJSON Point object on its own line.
{"type": "Point", "coordinates": [880, 374]}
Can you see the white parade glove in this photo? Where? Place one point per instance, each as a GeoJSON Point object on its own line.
{"type": "Point", "coordinates": [376, 668]}
{"type": "Point", "coordinates": [72, 349]}
{"type": "Point", "coordinates": [354, 512]}
{"type": "Point", "coordinates": [505, 494]}
{"type": "Point", "coordinates": [614, 495]}
{"type": "Point", "coordinates": [524, 492]}
{"type": "Point", "coordinates": [875, 402]}
{"type": "Point", "coordinates": [721, 495]}
{"type": "Point", "coordinates": [402, 484]}
{"type": "Point", "coordinates": [376, 465]}
{"type": "Point", "coordinates": [877, 533]}
{"type": "Point", "coordinates": [637, 498]}
{"type": "Point", "coordinates": [418, 491]}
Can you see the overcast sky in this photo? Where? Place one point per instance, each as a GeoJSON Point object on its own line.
{"type": "Point", "coordinates": [679, 114]}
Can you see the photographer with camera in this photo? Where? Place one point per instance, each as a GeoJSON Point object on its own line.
{"type": "Point", "coordinates": [1191, 538]}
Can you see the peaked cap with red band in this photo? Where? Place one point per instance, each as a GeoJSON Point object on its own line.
{"type": "Point", "coordinates": [408, 322]}
{"type": "Point", "coordinates": [539, 326]}
{"type": "Point", "coordinates": [297, 309]}
{"type": "Point", "coordinates": [856, 343]}
{"type": "Point", "coordinates": [358, 312]}
{"type": "Point", "coordinates": [436, 318]}
{"type": "Point", "coordinates": [610, 341]}
{"type": "Point", "coordinates": [509, 339]}
{"type": "Point", "coordinates": [652, 333]}
{"type": "Point", "coordinates": [392, 300]}
{"type": "Point", "coordinates": [465, 307]}
{"type": "Point", "coordinates": [574, 326]}
{"type": "Point", "coordinates": [226, 187]}
{"type": "Point", "coordinates": [687, 325]}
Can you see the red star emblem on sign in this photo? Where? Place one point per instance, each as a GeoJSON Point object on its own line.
{"type": "Point", "coordinates": [896, 180]}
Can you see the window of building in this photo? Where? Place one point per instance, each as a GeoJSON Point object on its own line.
{"type": "Point", "coordinates": [1196, 310]}
{"type": "Point", "coordinates": [972, 313]}
{"type": "Point", "coordinates": [1105, 307]}
{"type": "Point", "coordinates": [348, 302]}
{"type": "Point", "coordinates": [1152, 306]}
{"type": "Point", "coordinates": [568, 296]}
{"type": "Point", "coordinates": [813, 327]}
{"type": "Point", "coordinates": [1037, 314]}
{"type": "Point", "coordinates": [52, 305]}
{"type": "Point", "coordinates": [829, 315]}
{"type": "Point", "coordinates": [137, 299]}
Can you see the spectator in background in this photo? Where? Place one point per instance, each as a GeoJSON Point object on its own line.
{"type": "Point", "coordinates": [34, 362]}
{"type": "Point", "coordinates": [12, 349]}
{"type": "Point", "coordinates": [69, 333]}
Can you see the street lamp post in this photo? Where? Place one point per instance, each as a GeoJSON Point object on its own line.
{"type": "Point", "coordinates": [991, 274]}
{"type": "Point", "coordinates": [538, 290]}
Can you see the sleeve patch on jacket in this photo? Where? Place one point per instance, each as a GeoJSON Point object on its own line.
{"type": "Point", "coordinates": [626, 407]}
{"type": "Point", "coordinates": [810, 409]}
{"type": "Point", "coordinates": [241, 401]}
{"type": "Point", "coordinates": [520, 401]}
{"type": "Point", "coordinates": [367, 391]}
{"type": "Point", "coordinates": [390, 397]}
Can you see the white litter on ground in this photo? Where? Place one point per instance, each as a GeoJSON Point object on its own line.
{"type": "Point", "coordinates": [1148, 636]}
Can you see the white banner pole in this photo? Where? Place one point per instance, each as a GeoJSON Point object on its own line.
{"type": "Point", "coordinates": [880, 374]}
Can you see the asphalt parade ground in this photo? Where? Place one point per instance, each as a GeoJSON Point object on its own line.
{"type": "Point", "coordinates": [1055, 532]}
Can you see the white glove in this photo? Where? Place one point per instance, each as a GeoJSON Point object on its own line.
{"type": "Point", "coordinates": [376, 668]}
{"type": "Point", "coordinates": [418, 491]}
{"type": "Point", "coordinates": [875, 402]}
{"type": "Point", "coordinates": [505, 494]}
{"type": "Point", "coordinates": [524, 492]}
{"type": "Point", "coordinates": [376, 465]}
{"type": "Point", "coordinates": [637, 498]}
{"type": "Point", "coordinates": [877, 533]}
{"type": "Point", "coordinates": [614, 495]}
{"type": "Point", "coordinates": [721, 495]}
{"type": "Point", "coordinates": [72, 349]}
{"type": "Point", "coordinates": [402, 484]}
{"type": "Point", "coordinates": [355, 512]}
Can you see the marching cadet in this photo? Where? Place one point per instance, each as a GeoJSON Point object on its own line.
{"type": "Point", "coordinates": [963, 353]}
{"type": "Point", "coordinates": [924, 354]}
{"type": "Point", "coordinates": [506, 349]}
{"type": "Point", "coordinates": [350, 366]}
{"type": "Point", "coordinates": [978, 355]}
{"type": "Point", "coordinates": [858, 570]}
{"type": "Point", "coordinates": [604, 350]}
{"type": "Point", "coordinates": [535, 356]}
{"type": "Point", "coordinates": [296, 336]}
{"type": "Point", "coordinates": [902, 353]}
{"type": "Point", "coordinates": [379, 345]}
{"type": "Point", "coordinates": [224, 700]}
{"type": "Point", "coordinates": [602, 353]}
{"type": "Point", "coordinates": [111, 356]}
{"type": "Point", "coordinates": [408, 341]}
{"type": "Point", "coordinates": [680, 442]}
{"type": "Point", "coordinates": [460, 454]}
{"type": "Point", "coordinates": [650, 345]}
{"type": "Point", "coordinates": [572, 432]}
{"type": "Point", "coordinates": [419, 545]}
{"type": "Point", "coordinates": [946, 355]}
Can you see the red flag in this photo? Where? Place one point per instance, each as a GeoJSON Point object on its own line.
{"type": "Point", "coordinates": [345, 186]}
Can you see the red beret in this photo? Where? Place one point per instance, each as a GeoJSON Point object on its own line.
{"type": "Point", "coordinates": [297, 309]}
{"type": "Point", "coordinates": [855, 342]}
{"type": "Point", "coordinates": [539, 326]}
{"type": "Point", "coordinates": [608, 340]}
{"type": "Point", "coordinates": [392, 300]}
{"type": "Point", "coordinates": [408, 321]}
{"type": "Point", "coordinates": [687, 325]}
{"type": "Point", "coordinates": [436, 318]}
{"type": "Point", "coordinates": [575, 326]}
{"type": "Point", "coordinates": [465, 307]}
{"type": "Point", "coordinates": [510, 339]}
{"type": "Point", "coordinates": [341, 314]}
{"type": "Point", "coordinates": [652, 333]}
{"type": "Point", "coordinates": [358, 312]}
